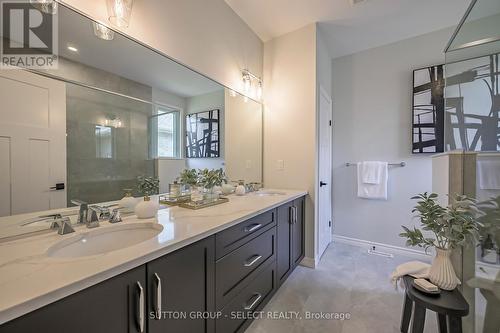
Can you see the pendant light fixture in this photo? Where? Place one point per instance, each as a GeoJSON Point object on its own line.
{"type": "Point", "coordinates": [46, 6]}
{"type": "Point", "coordinates": [119, 12]}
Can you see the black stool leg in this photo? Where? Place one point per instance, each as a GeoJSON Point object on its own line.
{"type": "Point", "coordinates": [406, 317]}
{"type": "Point", "coordinates": [441, 319]}
{"type": "Point", "coordinates": [455, 324]}
{"type": "Point", "coordinates": [418, 319]}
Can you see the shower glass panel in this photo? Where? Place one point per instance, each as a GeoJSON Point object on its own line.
{"type": "Point", "coordinates": [108, 138]}
{"type": "Point", "coordinates": [472, 125]}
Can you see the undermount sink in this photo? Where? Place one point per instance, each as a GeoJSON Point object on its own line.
{"type": "Point", "coordinates": [104, 239]}
{"type": "Point", "coordinates": [268, 193]}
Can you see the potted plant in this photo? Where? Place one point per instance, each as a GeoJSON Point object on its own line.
{"type": "Point", "coordinates": [451, 227]}
{"type": "Point", "coordinates": [489, 230]}
{"type": "Point", "coordinates": [210, 179]}
{"type": "Point", "coordinates": [147, 186]}
{"type": "Point", "coordinates": [188, 178]}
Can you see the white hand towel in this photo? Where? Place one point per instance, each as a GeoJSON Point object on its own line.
{"type": "Point", "coordinates": [372, 171]}
{"type": "Point", "coordinates": [488, 172]}
{"type": "Point", "coordinates": [417, 269]}
{"type": "Point", "coordinates": [373, 191]}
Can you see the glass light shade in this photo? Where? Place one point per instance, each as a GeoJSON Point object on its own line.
{"type": "Point", "coordinates": [46, 6]}
{"type": "Point", "coordinates": [103, 32]}
{"type": "Point", "coordinates": [119, 12]}
{"type": "Point", "coordinates": [247, 83]}
{"type": "Point", "coordinates": [259, 90]}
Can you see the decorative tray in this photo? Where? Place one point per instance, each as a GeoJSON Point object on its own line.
{"type": "Point", "coordinates": [174, 201]}
{"type": "Point", "coordinates": [203, 203]}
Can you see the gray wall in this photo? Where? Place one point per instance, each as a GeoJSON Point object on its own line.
{"type": "Point", "coordinates": [372, 101]}
{"type": "Point", "coordinates": [94, 179]}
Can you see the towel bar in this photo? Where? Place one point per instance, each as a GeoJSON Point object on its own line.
{"type": "Point", "coordinates": [401, 164]}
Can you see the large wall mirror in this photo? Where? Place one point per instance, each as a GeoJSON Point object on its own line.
{"type": "Point", "coordinates": [113, 110]}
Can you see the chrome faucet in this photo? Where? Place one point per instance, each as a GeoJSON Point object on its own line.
{"type": "Point", "coordinates": [63, 226]}
{"type": "Point", "coordinates": [87, 214]}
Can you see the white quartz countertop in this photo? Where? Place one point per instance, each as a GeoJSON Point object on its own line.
{"type": "Point", "coordinates": [29, 279]}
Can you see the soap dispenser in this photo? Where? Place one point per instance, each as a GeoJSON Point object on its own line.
{"type": "Point", "coordinates": [240, 189]}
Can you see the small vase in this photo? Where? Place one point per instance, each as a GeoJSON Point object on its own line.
{"type": "Point", "coordinates": [146, 209]}
{"type": "Point", "coordinates": [128, 202]}
{"type": "Point", "coordinates": [442, 273]}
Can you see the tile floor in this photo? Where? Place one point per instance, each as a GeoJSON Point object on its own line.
{"type": "Point", "coordinates": [348, 280]}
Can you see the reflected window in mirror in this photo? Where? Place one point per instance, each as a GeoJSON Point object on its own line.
{"type": "Point", "coordinates": [166, 132]}
{"type": "Point", "coordinates": [104, 142]}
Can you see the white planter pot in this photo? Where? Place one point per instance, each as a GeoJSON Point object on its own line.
{"type": "Point", "coordinates": [442, 273]}
{"type": "Point", "coordinates": [147, 208]}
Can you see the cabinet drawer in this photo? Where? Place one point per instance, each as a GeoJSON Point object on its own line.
{"type": "Point", "coordinates": [253, 297]}
{"type": "Point", "coordinates": [232, 269]}
{"type": "Point", "coordinates": [230, 239]}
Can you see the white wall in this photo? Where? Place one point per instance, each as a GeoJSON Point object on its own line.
{"type": "Point", "coordinates": [372, 92]}
{"type": "Point", "coordinates": [290, 117]}
{"type": "Point", "coordinates": [243, 138]}
{"type": "Point", "coordinates": [205, 35]}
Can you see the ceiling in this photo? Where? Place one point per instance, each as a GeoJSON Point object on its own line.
{"type": "Point", "coordinates": [346, 28]}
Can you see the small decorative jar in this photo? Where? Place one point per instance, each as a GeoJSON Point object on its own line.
{"type": "Point", "coordinates": [147, 208]}
{"type": "Point", "coordinates": [240, 189]}
{"type": "Point", "coordinates": [128, 202]}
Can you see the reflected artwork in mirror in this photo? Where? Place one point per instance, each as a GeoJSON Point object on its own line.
{"type": "Point", "coordinates": [95, 123]}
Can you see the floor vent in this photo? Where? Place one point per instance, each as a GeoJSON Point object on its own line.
{"type": "Point", "coordinates": [355, 2]}
{"type": "Point", "coordinates": [373, 250]}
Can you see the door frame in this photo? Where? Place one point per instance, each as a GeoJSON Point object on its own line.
{"type": "Point", "coordinates": [321, 92]}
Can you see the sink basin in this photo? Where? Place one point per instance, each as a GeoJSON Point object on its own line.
{"type": "Point", "coordinates": [103, 240]}
{"type": "Point", "coordinates": [268, 193]}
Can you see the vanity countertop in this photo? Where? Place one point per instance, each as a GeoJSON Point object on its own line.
{"type": "Point", "coordinates": [29, 279]}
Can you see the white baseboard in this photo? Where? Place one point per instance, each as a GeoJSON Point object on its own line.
{"type": "Point", "coordinates": [384, 247]}
{"type": "Point", "coordinates": [309, 262]}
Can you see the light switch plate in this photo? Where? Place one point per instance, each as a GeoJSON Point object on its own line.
{"type": "Point", "coordinates": [280, 165]}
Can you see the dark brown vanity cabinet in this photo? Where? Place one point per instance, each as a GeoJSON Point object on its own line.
{"type": "Point", "coordinates": [290, 237]}
{"type": "Point", "coordinates": [164, 295]}
{"type": "Point", "coordinates": [112, 306]}
{"type": "Point", "coordinates": [234, 272]}
{"type": "Point", "coordinates": [181, 290]}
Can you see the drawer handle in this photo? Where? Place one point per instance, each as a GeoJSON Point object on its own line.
{"type": "Point", "coordinates": [250, 307]}
{"type": "Point", "coordinates": [140, 318]}
{"type": "Point", "coordinates": [253, 227]}
{"type": "Point", "coordinates": [158, 296]}
{"type": "Point", "coordinates": [253, 261]}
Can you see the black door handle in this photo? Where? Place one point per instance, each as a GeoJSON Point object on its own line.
{"type": "Point", "coordinates": [322, 183]}
{"type": "Point", "coordinates": [58, 187]}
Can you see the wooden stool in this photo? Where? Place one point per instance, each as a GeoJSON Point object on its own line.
{"type": "Point", "coordinates": [450, 307]}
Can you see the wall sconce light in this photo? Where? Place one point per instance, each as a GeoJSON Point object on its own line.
{"type": "Point", "coordinates": [119, 12]}
{"type": "Point", "coordinates": [113, 122]}
{"type": "Point", "coordinates": [247, 83]}
{"type": "Point", "coordinates": [103, 32]}
{"type": "Point", "coordinates": [46, 6]}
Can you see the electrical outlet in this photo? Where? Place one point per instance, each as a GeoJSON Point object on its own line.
{"type": "Point", "coordinates": [248, 164]}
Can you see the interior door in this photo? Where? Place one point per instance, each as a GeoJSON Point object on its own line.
{"type": "Point", "coordinates": [325, 172]}
{"type": "Point", "coordinates": [32, 142]}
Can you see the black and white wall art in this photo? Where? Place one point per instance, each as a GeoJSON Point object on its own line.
{"type": "Point", "coordinates": [202, 134]}
{"type": "Point", "coordinates": [472, 117]}
{"type": "Point", "coordinates": [428, 110]}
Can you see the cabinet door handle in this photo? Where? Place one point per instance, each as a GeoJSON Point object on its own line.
{"type": "Point", "coordinates": [250, 307]}
{"type": "Point", "coordinates": [140, 315]}
{"type": "Point", "coordinates": [296, 214]}
{"type": "Point", "coordinates": [253, 261]}
{"type": "Point", "coordinates": [253, 227]}
{"type": "Point", "coordinates": [158, 296]}
{"type": "Point", "coordinates": [290, 214]}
